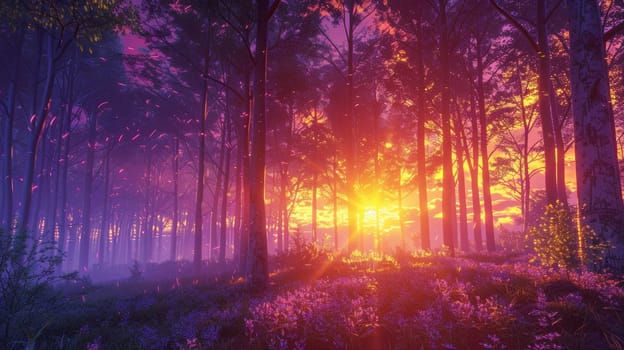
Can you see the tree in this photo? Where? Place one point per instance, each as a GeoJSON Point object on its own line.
{"type": "Point", "coordinates": [541, 48]}
{"type": "Point", "coordinates": [258, 259]}
{"type": "Point", "coordinates": [597, 171]}
{"type": "Point", "coordinates": [411, 73]}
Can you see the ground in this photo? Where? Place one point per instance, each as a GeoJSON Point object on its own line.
{"type": "Point", "coordinates": [356, 302]}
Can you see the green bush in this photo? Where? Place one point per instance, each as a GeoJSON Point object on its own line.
{"type": "Point", "coordinates": [555, 238]}
{"type": "Point", "coordinates": [28, 301]}
{"type": "Point", "coordinates": [557, 241]}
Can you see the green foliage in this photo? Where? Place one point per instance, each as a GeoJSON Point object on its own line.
{"type": "Point", "coordinates": [593, 248]}
{"type": "Point", "coordinates": [28, 270]}
{"type": "Point", "coordinates": [555, 238]}
{"type": "Point", "coordinates": [557, 241]}
{"type": "Point", "coordinates": [302, 254]}
{"type": "Point", "coordinates": [512, 241]}
{"type": "Point", "coordinates": [85, 21]}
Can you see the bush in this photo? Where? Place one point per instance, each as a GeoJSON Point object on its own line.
{"type": "Point", "coordinates": [555, 238]}
{"type": "Point", "coordinates": [512, 241]}
{"type": "Point", "coordinates": [28, 270]}
{"type": "Point", "coordinates": [302, 254]}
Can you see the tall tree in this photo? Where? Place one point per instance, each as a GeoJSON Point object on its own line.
{"type": "Point", "coordinates": [258, 260]}
{"type": "Point", "coordinates": [597, 171]}
{"type": "Point", "coordinates": [541, 48]}
{"type": "Point", "coordinates": [449, 216]}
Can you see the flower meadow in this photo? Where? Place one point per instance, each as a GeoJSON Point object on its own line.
{"type": "Point", "coordinates": [416, 302]}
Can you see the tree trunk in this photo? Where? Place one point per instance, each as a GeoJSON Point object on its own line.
{"type": "Point", "coordinates": [85, 236]}
{"type": "Point", "coordinates": [448, 181]}
{"type": "Point", "coordinates": [598, 175]}
{"type": "Point", "coordinates": [335, 200]}
{"type": "Point", "coordinates": [174, 224]}
{"type": "Point", "coordinates": [214, 218]}
{"type": "Point", "coordinates": [6, 217]}
{"type": "Point", "coordinates": [461, 187]}
{"type": "Point", "coordinates": [351, 139]}
{"type": "Point", "coordinates": [37, 125]}
{"type": "Point", "coordinates": [244, 145]}
{"type": "Point", "coordinates": [104, 230]}
{"type": "Point", "coordinates": [72, 241]}
{"type": "Point", "coordinates": [65, 139]}
{"type": "Point", "coordinates": [51, 220]}
{"type": "Point", "coordinates": [525, 172]}
{"type": "Point", "coordinates": [474, 176]}
{"type": "Point", "coordinates": [560, 149]}
{"type": "Point", "coordinates": [421, 147]}
{"type": "Point", "coordinates": [238, 193]}
{"type": "Point", "coordinates": [258, 264]}
{"type": "Point", "coordinates": [400, 208]}
{"type": "Point", "coordinates": [543, 84]}
{"type": "Point", "coordinates": [314, 207]}
{"type": "Point", "coordinates": [199, 198]}
{"type": "Point", "coordinates": [148, 229]}
{"type": "Point", "coordinates": [485, 156]}
{"type": "Point", "coordinates": [224, 197]}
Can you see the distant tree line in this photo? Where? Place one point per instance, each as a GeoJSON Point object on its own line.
{"type": "Point", "coordinates": [199, 131]}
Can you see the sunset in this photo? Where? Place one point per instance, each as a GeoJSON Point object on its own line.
{"type": "Point", "coordinates": [322, 174]}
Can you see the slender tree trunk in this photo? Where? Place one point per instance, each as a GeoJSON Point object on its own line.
{"type": "Point", "coordinates": [37, 125]}
{"type": "Point", "coordinates": [85, 236]}
{"type": "Point", "coordinates": [51, 221]}
{"type": "Point", "coordinates": [224, 197]}
{"type": "Point", "coordinates": [461, 187]}
{"type": "Point", "coordinates": [244, 144]}
{"type": "Point", "coordinates": [65, 139]}
{"type": "Point", "coordinates": [376, 183]}
{"type": "Point", "coordinates": [258, 268]}
{"type": "Point", "coordinates": [543, 83]}
{"type": "Point", "coordinates": [485, 156]}
{"type": "Point", "coordinates": [6, 218]}
{"type": "Point", "coordinates": [215, 200]}
{"type": "Point", "coordinates": [562, 193]}
{"type": "Point", "coordinates": [42, 183]}
{"type": "Point", "coordinates": [314, 207]}
{"type": "Point", "coordinates": [238, 192]}
{"type": "Point", "coordinates": [474, 176]}
{"type": "Point", "coordinates": [526, 186]}
{"type": "Point", "coordinates": [174, 224]}
{"type": "Point", "coordinates": [598, 175]}
{"type": "Point", "coordinates": [421, 147]}
{"type": "Point", "coordinates": [104, 230]}
{"type": "Point", "coordinates": [351, 140]}
{"type": "Point", "coordinates": [148, 229]}
{"type": "Point", "coordinates": [199, 199]}
{"type": "Point", "coordinates": [72, 241]}
{"type": "Point", "coordinates": [448, 180]}
{"type": "Point", "coordinates": [335, 200]}
{"type": "Point", "coordinates": [400, 208]}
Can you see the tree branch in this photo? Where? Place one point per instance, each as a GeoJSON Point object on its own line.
{"type": "Point", "coordinates": [552, 10]}
{"type": "Point", "coordinates": [611, 33]}
{"type": "Point", "coordinates": [516, 24]}
{"type": "Point", "coordinates": [273, 8]}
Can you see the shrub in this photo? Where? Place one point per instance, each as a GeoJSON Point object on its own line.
{"type": "Point", "coordinates": [28, 270]}
{"type": "Point", "coordinates": [302, 254]}
{"type": "Point", "coordinates": [555, 238]}
{"type": "Point", "coordinates": [136, 273]}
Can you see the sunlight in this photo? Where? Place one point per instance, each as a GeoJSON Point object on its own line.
{"type": "Point", "coordinates": [370, 216]}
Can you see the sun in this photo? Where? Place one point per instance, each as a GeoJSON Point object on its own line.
{"type": "Point", "coordinates": [370, 215]}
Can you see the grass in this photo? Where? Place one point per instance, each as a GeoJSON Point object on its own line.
{"type": "Point", "coordinates": [355, 302]}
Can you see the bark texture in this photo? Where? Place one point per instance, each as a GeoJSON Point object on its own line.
{"type": "Point", "coordinates": [597, 173]}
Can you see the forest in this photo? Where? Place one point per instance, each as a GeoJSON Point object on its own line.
{"type": "Point", "coordinates": [311, 174]}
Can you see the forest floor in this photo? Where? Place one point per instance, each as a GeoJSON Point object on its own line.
{"type": "Point", "coordinates": [356, 302]}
